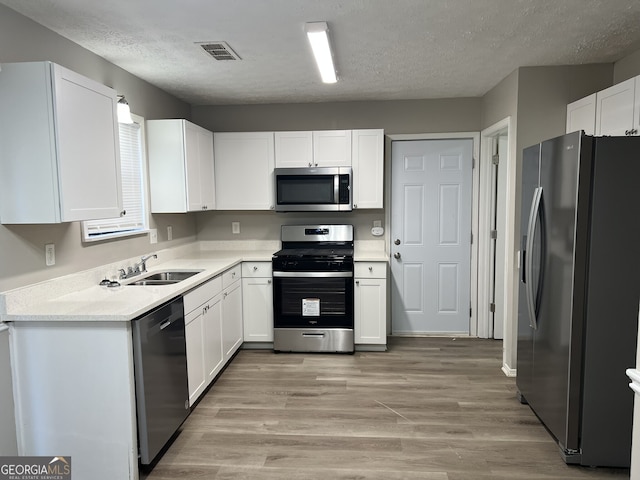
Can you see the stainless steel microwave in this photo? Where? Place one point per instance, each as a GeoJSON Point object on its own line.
{"type": "Point", "coordinates": [319, 189]}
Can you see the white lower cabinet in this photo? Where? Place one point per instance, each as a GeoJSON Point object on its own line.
{"type": "Point", "coordinates": [257, 302]}
{"type": "Point", "coordinates": [203, 336]}
{"type": "Point", "coordinates": [370, 303]}
{"type": "Point", "coordinates": [231, 311]}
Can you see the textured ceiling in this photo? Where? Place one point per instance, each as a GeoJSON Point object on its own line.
{"type": "Point", "coordinates": [384, 49]}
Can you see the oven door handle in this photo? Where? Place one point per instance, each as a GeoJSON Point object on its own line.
{"type": "Point", "coordinates": [313, 274]}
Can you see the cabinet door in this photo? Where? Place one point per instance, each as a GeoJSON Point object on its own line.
{"type": "Point", "coordinates": [88, 148]}
{"type": "Point", "coordinates": [368, 168]}
{"type": "Point", "coordinates": [199, 167]}
{"type": "Point", "coordinates": [232, 319]}
{"type": "Point", "coordinates": [196, 375]}
{"type": "Point", "coordinates": [332, 148]}
{"type": "Point", "coordinates": [615, 109]}
{"type": "Point", "coordinates": [257, 309]}
{"type": "Point", "coordinates": [212, 336]}
{"type": "Point", "coordinates": [192, 167]}
{"type": "Point", "coordinates": [293, 149]}
{"type": "Point", "coordinates": [207, 181]}
{"type": "Point", "coordinates": [370, 325]}
{"type": "Point", "coordinates": [581, 115]}
{"type": "Point", "coordinates": [243, 165]}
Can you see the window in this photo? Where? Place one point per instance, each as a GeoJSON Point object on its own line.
{"type": "Point", "coordinates": [134, 221]}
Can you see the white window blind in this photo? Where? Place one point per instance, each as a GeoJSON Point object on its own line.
{"type": "Point", "coordinates": [132, 167]}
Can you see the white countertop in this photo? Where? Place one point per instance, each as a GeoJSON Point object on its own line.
{"type": "Point", "coordinates": [78, 297]}
{"type": "Point", "coordinates": [124, 303]}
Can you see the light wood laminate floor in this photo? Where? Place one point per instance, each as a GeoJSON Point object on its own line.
{"type": "Point", "coordinates": [429, 408]}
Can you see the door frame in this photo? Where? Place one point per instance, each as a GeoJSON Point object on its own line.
{"type": "Point", "coordinates": [475, 137]}
{"type": "Point", "coordinates": [505, 258]}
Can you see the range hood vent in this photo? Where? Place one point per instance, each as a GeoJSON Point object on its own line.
{"type": "Point", "coordinates": [219, 50]}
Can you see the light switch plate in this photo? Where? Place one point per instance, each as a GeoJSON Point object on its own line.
{"type": "Point", "coordinates": [235, 228]}
{"type": "Point", "coordinates": [169, 233]}
{"type": "Point", "coordinates": [153, 235]}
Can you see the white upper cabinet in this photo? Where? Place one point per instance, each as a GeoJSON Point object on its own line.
{"type": "Point", "coordinates": [244, 163]}
{"type": "Point", "coordinates": [180, 166]}
{"type": "Point", "coordinates": [368, 168]}
{"type": "Point", "coordinates": [322, 148]}
{"type": "Point", "coordinates": [293, 149]}
{"type": "Point", "coordinates": [581, 115]}
{"type": "Point", "coordinates": [618, 109]}
{"type": "Point", "coordinates": [332, 148]}
{"type": "Point", "coordinates": [59, 146]}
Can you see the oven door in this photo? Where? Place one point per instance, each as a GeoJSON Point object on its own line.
{"type": "Point", "coordinates": [316, 300]}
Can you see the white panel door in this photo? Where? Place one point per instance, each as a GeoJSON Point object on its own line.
{"type": "Point", "coordinates": [431, 235]}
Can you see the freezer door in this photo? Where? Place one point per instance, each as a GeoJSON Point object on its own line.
{"type": "Point", "coordinates": [557, 368]}
{"type": "Point", "coordinates": [530, 182]}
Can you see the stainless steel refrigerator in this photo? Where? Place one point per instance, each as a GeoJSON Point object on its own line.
{"type": "Point", "coordinates": [579, 289]}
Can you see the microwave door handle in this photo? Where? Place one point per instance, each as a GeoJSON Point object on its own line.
{"type": "Point", "coordinates": [336, 189]}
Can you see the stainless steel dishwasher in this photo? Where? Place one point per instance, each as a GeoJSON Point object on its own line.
{"type": "Point", "coordinates": [160, 368]}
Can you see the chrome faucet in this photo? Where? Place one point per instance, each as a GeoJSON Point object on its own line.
{"type": "Point", "coordinates": [138, 268]}
{"type": "Point", "coordinates": [141, 266]}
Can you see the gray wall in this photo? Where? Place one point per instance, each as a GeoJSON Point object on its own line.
{"type": "Point", "coordinates": [22, 246]}
{"type": "Point", "coordinates": [627, 67]}
{"type": "Point", "coordinates": [403, 116]}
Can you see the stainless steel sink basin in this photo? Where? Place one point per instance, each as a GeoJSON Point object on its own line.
{"type": "Point", "coordinates": [164, 278]}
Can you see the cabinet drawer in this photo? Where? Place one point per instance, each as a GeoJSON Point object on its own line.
{"type": "Point", "coordinates": [200, 295]}
{"type": "Point", "coordinates": [232, 275]}
{"type": "Point", "coordinates": [370, 270]}
{"type": "Point", "coordinates": [256, 269]}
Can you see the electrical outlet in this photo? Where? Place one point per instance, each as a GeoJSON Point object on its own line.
{"type": "Point", "coordinates": [377, 223]}
{"type": "Point", "coordinates": [169, 233]}
{"type": "Point", "coordinates": [153, 235]}
{"type": "Point", "coordinates": [50, 254]}
{"type": "Point", "coordinates": [235, 228]}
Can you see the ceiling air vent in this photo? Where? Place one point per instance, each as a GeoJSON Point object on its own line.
{"type": "Point", "coordinates": [219, 50]}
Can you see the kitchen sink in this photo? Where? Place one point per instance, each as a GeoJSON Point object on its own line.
{"type": "Point", "coordinates": [164, 278]}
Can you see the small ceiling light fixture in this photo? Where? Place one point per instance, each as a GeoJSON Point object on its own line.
{"type": "Point", "coordinates": [319, 40]}
{"type": "Point", "coordinates": [124, 112]}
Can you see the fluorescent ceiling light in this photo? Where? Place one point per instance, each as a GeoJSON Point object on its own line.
{"type": "Point", "coordinates": [319, 40]}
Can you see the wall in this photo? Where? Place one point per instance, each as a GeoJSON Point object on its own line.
{"type": "Point", "coordinates": [22, 253]}
{"type": "Point", "coordinates": [626, 67]}
{"type": "Point", "coordinates": [402, 116]}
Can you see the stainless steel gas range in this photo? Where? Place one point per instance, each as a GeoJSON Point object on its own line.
{"type": "Point", "coordinates": [313, 289]}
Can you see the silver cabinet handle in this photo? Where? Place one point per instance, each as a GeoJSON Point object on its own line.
{"type": "Point", "coordinates": [269, 282]}
{"type": "Point", "coordinates": [397, 255]}
{"type": "Point", "coordinates": [371, 269]}
{"type": "Point", "coordinates": [255, 269]}
{"type": "Point", "coordinates": [396, 241]}
{"type": "Point", "coordinates": [358, 282]}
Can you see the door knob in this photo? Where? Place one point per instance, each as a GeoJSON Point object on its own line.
{"type": "Point", "coordinates": [397, 241]}
{"type": "Point", "coordinates": [396, 255]}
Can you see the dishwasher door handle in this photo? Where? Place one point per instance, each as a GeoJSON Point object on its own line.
{"type": "Point", "coordinates": [165, 324]}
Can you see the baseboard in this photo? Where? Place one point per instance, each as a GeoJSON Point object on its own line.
{"type": "Point", "coordinates": [508, 371]}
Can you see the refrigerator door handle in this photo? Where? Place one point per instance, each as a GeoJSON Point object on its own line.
{"type": "Point", "coordinates": [533, 219]}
